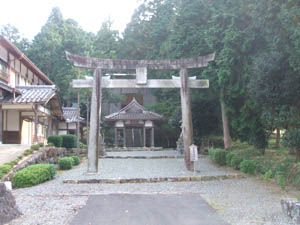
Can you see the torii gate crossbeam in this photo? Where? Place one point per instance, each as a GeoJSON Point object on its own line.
{"type": "Point", "coordinates": [97, 82]}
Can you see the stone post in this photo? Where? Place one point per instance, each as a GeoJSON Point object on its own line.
{"type": "Point", "coordinates": [93, 148]}
{"type": "Point", "coordinates": [124, 137]}
{"type": "Point", "coordinates": [152, 137]}
{"type": "Point", "coordinates": [116, 137]}
{"type": "Point", "coordinates": [144, 136]}
{"type": "Point", "coordinates": [187, 126]}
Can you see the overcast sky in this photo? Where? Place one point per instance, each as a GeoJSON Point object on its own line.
{"type": "Point", "coordinates": [30, 15]}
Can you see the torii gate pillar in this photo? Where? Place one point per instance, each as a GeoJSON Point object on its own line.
{"type": "Point", "coordinates": [187, 125]}
{"type": "Point", "coordinates": [93, 147]}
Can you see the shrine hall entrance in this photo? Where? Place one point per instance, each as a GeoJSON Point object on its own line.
{"type": "Point", "coordinates": [133, 126]}
{"type": "Point", "coordinates": [134, 137]}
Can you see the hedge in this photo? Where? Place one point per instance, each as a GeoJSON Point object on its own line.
{"type": "Point", "coordinates": [33, 175]}
{"type": "Point", "coordinates": [69, 141]}
{"type": "Point", "coordinates": [55, 139]}
{"type": "Point", "coordinates": [248, 166]}
{"type": "Point", "coordinates": [76, 160]}
{"type": "Point", "coordinates": [65, 163]}
{"type": "Point", "coordinates": [218, 156]}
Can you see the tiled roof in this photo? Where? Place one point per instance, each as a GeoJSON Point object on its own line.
{"type": "Point", "coordinates": [133, 111]}
{"type": "Point", "coordinates": [5, 87]}
{"type": "Point", "coordinates": [70, 113]}
{"type": "Point", "coordinates": [32, 94]}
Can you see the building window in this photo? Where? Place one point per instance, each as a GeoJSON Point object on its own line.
{"type": "Point", "coordinates": [3, 70]}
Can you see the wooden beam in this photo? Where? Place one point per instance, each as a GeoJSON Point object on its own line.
{"type": "Point", "coordinates": [159, 83]}
{"type": "Point", "coordinates": [122, 64]}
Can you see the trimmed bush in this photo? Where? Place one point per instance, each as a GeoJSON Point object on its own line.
{"type": "Point", "coordinates": [50, 144]}
{"type": "Point", "coordinates": [5, 168]}
{"type": "Point", "coordinates": [248, 166]}
{"type": "Point", "coordinates": [28, 152]}
{"type": "Point", "coordinates": [229, 156]}
{"type": "Point", "coordinates": [236, 161]}
{"type": "Point", "coordinates": [35, 147]}
{"type": "Point", "coordinates": [41, 144]}
{"type": "Point", "coordinates": [218, 156]}
{"type": "Point", "coordinates": [76, 160]}
{"type": "Point", "coordinates": [69, 140]}
{"type": "Point", "coordinates": [65, 163]}
{"type": "Point", "coordinates": [56, 140]}
{"type": "Point", "coordinates": [33, 175]}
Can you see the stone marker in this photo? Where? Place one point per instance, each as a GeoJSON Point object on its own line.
{"type": "Point", "coordinates": [8, 207]}
{"type": "Point", "coordinates": [291, 208]}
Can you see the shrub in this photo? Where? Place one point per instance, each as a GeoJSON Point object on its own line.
{"type": "Point", "coordinates": [41, 144]}
{"type": "Point", "coordinates": [76, 160]}
{"type": "Point", "coordinates": [218, 156]}
{"type": "Point", "coordinates": [65, 163]}
{"type": "Point", "coordinates": [55, 139]}
{"type": "Point", "coordinates": [69, 140]}
{"type": "Point", "coordinates": [280, 178]}
{"type": "Point", "coordinates": [35, 147]}
{"type": "Point", "coordinates": [82, 145]}
{"type": "Point", "coordinates": [236, 161]}
{"type": "Point", "coordinates": [33, 175]}
{"type": "Point", "coordinates": [248, 166]}
{"type": "Point", "coordinates": [28, 152]}
{"type": "Point", "coordinates": [5, 168]}
{"type": "Point", "coordinates": [229, 156]}
{"type": "Point", "coordinates": [50, 144]}
{"type": "Point", "coordinates": [268, 175]}
{"type": "Point", "coordinates": [20, 157]}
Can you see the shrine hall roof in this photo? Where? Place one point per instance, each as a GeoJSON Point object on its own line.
{"type": "Point", "coordinates": [133, 111]}
{"type": "Point", "coordinates": [70, 113]}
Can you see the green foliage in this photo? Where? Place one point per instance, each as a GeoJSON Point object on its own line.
{"type": "Point", "coordinates": [41, 144]}
{"type": "Point", "coordinates": [291, 138]}
{"type": "Point", "coordinates": [50, 144]}
{"type": "Point", "coordinates": [33, 175]}
{"type": "Point", "coordinates": [248, 166]}
{"type": "Point", "coordinates": [69, 141]}
{"type": "Point", "coordinates": [55, 139]}
{"type": "Point", "coordinates": [4, 169]}
{"type": "Point", "coordinates": [268, 175]}
{"type": "Point", "coordinates": [218, 156]}
{"type": "Point", "coordinates": [28, 152]}
{"type": "Point", "coordinates": [236, 161]}
{"type": "Point", "coordinates": [280, 178]}
{"type": "Point", "coordinates": [65, 163]}
{"type": "Point", "coordinates": [229, 156]}
{"type": "Point", "coordinates": [35, 147]}
{"type": "Point", "coordinates": [82, 145]}
{"type": "Point", "coordinates": [76, 160]}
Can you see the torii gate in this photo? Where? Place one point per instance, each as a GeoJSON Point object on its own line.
{"type": "Point", "coordinates": [97, 82]}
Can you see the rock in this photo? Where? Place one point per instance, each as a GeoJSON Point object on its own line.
{"type": "Point", "coordinates": [8, 207]}
{"type": "Point", "coordinates": [291, 208]}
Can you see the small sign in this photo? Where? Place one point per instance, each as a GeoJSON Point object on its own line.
{"type": "Point", "coordinates": [193, 153]}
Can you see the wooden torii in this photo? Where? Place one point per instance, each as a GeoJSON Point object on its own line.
{"type": "Point", "coordinates": [141, 66]}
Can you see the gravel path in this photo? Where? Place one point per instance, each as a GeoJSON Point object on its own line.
{"type": "Point", "coordinates": [145, 153]}
{"type": "Point", "coordinates": [248, 201]}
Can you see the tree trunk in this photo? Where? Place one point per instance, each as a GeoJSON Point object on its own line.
{"type": "Point", "coordinates": [277, 138]}
{"type": "Point", "coordinates": [226, 133]}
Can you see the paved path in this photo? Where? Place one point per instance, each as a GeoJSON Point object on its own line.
{"type": "Point", "coordinates": [131, 209]}
{"type": "Point", "coordinates": [11, 152]}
